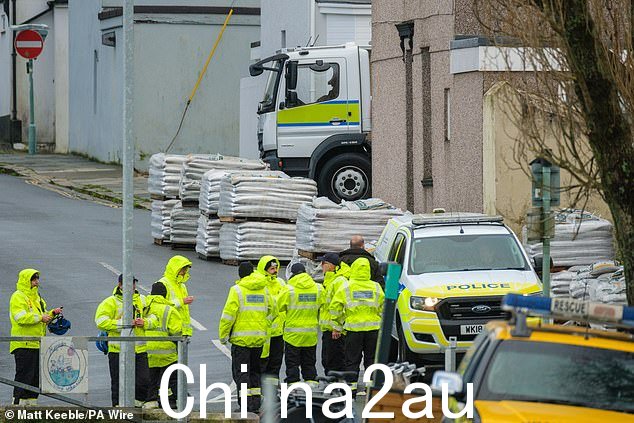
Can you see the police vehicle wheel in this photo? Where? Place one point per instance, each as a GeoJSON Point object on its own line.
{"type": "Point", "coordinates": [346, 177]}
{"type": "Point", "coordinates": [404, 353]}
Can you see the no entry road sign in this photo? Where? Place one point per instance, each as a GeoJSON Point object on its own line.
{"type": "Point", "coordinates": [29, 44]}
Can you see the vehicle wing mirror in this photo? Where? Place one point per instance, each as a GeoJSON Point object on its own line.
{"type": "Point", "coordinates": [256, 69]}
{"type": "Point", "coordinates": [291, 99]}
{"type": "Point", "coordinates": [453, 380]}
{"type": "Point", "coordinates": [291, 75]}
{"type": "Point", "coordinates": [538, 263]}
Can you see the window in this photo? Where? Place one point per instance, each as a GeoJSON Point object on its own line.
{"type": "Point", "coordinates": [554, 373]}
{"type": "Point", "coordinates": [316, 83]}
{"type": "Point", "coordinates": [397, 252]}
{"type": "Point", "coordinates": [463, 253]}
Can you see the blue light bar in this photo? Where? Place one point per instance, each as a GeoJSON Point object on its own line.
{"type": "Point", "coordinates": [568, 308]}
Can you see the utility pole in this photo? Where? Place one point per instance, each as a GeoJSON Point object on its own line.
{"type": "Point", "coordinates": [126, 358]}
{"type": "Point", "coordinates": [32, 145]}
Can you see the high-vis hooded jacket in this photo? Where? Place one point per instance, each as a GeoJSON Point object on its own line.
{"type": "Point", "coordinates": [332, 282]}
{"type": "Point", "coordinates": [275, 285]}
{"type": "Point", "coordinates": [109, 318]}
{"type": "Point", "coordinates": [169, 323]}
{"type": "Point", "coordinates": [248, 313]}
{"type": "Point", "coordinates": [26, 309]}
{"type": "Point", "coordinates": [177, 290]}
{"type": "Point", "coordinates": [357, 306]}
{"type": "Point", "coordinates": [301, 300]}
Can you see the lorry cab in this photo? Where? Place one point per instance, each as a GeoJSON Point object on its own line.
{"type": "Point", "coordinates": [314, 117]}
{"type": "Point", "coordinates": [535, 372]}
{"type": "Point", "coordinates": [456, 267]}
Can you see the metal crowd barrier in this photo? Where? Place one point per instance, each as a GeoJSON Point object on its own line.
{"type": "Point", "coordinates": [182, 349]}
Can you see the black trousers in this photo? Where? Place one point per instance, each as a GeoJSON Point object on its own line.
{"type": "Point", "coordinates": [156, 374]}
{"type": "Point", "coordinates": [272, 365]}
{"type": "Point", "coordinates": [358, 344]}
{"type": "Point", "coordinates": [27, 371]}
{"type": "Point", "coordinates": [142, 377]}
{"type": "Point", "coordinates": [250, 357]}
{"type": "Point", "coordinates": [297, 358]}
{"type": "Point", "coordinates": [332, 353]}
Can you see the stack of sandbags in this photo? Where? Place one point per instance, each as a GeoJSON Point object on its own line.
{"type": "Point", "coordinates": [261, 195]}
{"type": "Point", "coordinates": [323, 225]}
{"type": "Point", "coordinates": [165, 174]}
{"type": "Point", "coordinates": [313, 267]}
{"type": "Point", "coordinates": [252, 240]}
{"type": "Point", "coordinates": [560, 283]}
{"type": "Point", "coordinates": [611, 289]}
{"type": "Point", "coordinates": [161, 219]}
{"type": "Point", "coordinates": [209, 198]}
{"type": "Point", "coordinates": [208, 236]}
{"type": "Point", "coordinates": [193, 170]}
{"type": "Point", "coordinates": [580, 239]}
{"type": "Point", "coordinates": [184, 225]}
{"type": "Point", "coordinates": [585, 281]}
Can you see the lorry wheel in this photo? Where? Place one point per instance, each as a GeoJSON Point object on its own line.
{"type": "Point", "coordinates": [346, 177]}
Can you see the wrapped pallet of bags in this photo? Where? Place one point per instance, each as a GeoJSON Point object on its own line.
{"type": "Point", "coordinates": [209, 198]}
{"type": "Point", "coordinates": [268, 194]}
{"type": "Point", "coordinates": [560, 283]}
{"type": "Point", "coordinates": [252, 240]}
{"type": "Point", "coordinates": [585, 281]}
{"type": "Point", "coordinates": [323, 225]}
{"type": "Point", "coordinates": [184, 226]}
{"type": "Point", "coordinates": [313, 267]}
{"type": "Point", "coordinates": [161, 220]}
{"type": "Point", "coordinates": [580, 239]}
{"type": "Point", "coordinates": [165, 174]}
{"type": "Point", "coordinates": [208, 237]}
{"type": "Point", "coordinates": [193, 170]}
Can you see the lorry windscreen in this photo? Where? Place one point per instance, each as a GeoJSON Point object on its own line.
{"type": "Point", "coordinates": [270, 92]}
{"type": "Point", "coordinates": [553, 373]}
{"type": "Point", "coordinates": [466, 252]}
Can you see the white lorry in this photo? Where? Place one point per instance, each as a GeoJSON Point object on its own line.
{"type": "Point", "coordinates": [314, 118]}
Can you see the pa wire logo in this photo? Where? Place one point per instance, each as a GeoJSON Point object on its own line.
{"type": "Point", "coordinates": [343, 402]}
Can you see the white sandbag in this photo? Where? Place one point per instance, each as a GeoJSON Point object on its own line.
{"type": "Point", "coordinates": [209, 199]}
{"type": "Point", "coordinates": [313, 268]}
{"type": "Point", "coordinates": [560, 283]}
{"type": "Point", "coordinates": [268, 194]}
{"type": "Point", "coordinates": [580, 239]}
{"type": "Point", "coordinates": [325, 226]}
{"type": "Point", "coordinates": [184, 224]}
{"type": "Point", "coordinates": [161, 219]}
{"type": "Point", "coordinates": [208, 236]}
{"type": "Point", "coordinates": [611, 288]}
{"type": "Point", "coordinates": [165, 173]}
{"type": "Point", "coordinates": [193, 170]}
{"type": "Point", "coordinates": [252, 240]}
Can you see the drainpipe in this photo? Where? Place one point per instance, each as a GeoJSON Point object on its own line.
{"type": "Point", "coordinates": [406, 34]}
{"type": "Point", "coordinates": [14, 101]}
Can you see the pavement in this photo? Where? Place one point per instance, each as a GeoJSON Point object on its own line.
{"type": "Point", "coordinates": [76, 176]}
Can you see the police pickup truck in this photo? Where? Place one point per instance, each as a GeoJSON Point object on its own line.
{"type": "Point", "coordinates": [456, 267]}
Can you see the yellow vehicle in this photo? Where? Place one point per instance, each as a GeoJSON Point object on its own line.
{"type": "Point", "coordinates": [456, 269]}
{"type": "Point", "coordinates": [549, 373]}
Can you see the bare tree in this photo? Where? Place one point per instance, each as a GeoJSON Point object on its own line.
{"type": "Point", "coordinates": [580, 86]}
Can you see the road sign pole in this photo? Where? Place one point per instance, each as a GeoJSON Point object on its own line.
{"type": "Point", "coordinates": [32, 144]}
{"type": "Point", "coordinates": [127, 358]}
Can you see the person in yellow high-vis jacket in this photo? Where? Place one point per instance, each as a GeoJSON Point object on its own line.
{"type": "Point", "coordinates": [336, 274]}
{"type": "Point", "coordinates": [301, 299]}
{"type": "Point", "coordinates": [245, 323]}
{"type": "Point", "coordinates": [174, 278]}
{"type": "Point", "coordinates": [109, 318]}
{"type": "Point", "coordinates": [356, 309]}
{"type": "Point", "coordinates": [162, 354]}
{"type": "Point", "coordinates": [29, 317]}
{"type": "Point", "coordinates": [273, 351]}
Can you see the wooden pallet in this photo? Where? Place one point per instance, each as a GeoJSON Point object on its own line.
{"type": "Point", "coordinates": [208, 258]}
{"type": "Point", "coordinates": [161, 197]}
{"type": "Point", "coordinates": [230, 262]}
{"type": "Point", "coordinates": [311, 255]}
{"type": "Point", "coordinates": [158, 241]}
{"type": "Point", "coordinates": [232, 219]}
{"type": "Point", "coordinates": [190, 204]}
{"type": "Point", "coordinates": [187, 247]}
